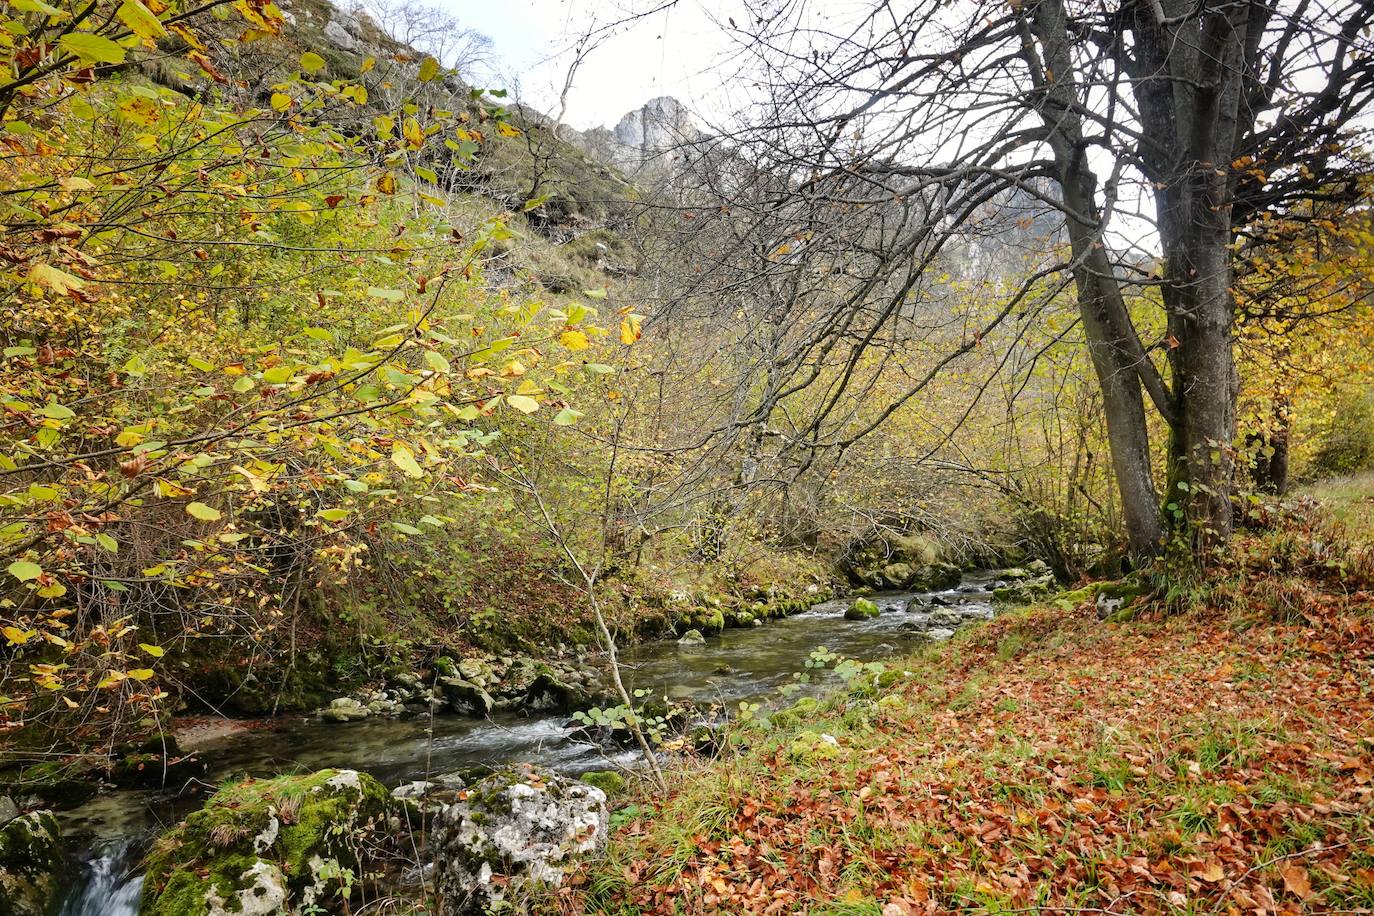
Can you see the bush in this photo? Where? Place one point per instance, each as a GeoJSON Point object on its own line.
{"type": "Point", "coordinates": [1346, 444]}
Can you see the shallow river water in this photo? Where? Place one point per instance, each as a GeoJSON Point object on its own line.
{"type": "Point", "coordinates": [745, 664]}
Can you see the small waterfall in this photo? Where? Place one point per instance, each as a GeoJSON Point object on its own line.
{"type": "Point", "coordinates": [107, 885]}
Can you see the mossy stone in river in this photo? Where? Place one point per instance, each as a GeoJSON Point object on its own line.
{"type": "Point", "coordinates": [861, 609]}
{"type": "Point", "coordinates": [31, 864]}
{"type": "Point", "coordinates": [267, 846]}
{"type": "Point", "coordinates": [692, 638]}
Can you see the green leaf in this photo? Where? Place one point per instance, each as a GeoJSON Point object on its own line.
{"type": "Point", "coordinates": [278, 375]}
{"type": "Point", "coordinates": [109, 543]}
{"type": "Point", "coordinates": [24, 571]}
{"type": "Point", "coordinates": [312, 62]}
{"type": "Point", "coordinates": [567, 417]}
{"type": "Point", "coordinates": [333, 515]}
{"type": "Point", "coordinates": [204, 365]}
{"type": "Point", "coordinates": [406, 529]}
{"type": "Point", "coordinates": [429, 69]}
{"type": "Point", "coordinates": [404, 458]}
{"type": "Point", "coordinates": [95, 49]}
{"type": "Point", "coordinates": [599, 368]}
{"type": "Point", "coordinates": [376, 292]}
{"type": "Point", "coordinates": [203, 512]}
{"type": "Point", "coordinates": [437, 362]}
{"type": "Point", "coordinates": [54, 411]}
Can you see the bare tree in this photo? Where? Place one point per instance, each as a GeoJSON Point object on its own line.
{"type": "Point", "coordinates": [1162, 133]}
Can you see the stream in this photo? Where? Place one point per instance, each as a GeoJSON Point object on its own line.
{"type": "Point", "coordinates": [739, 665]}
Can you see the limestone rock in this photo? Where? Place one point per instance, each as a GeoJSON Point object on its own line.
{"type": "Point", "coordinates": [344, 709]}
{"type": "Point", "coordinates": [515, 833]}
{"type": "Point", "coordinates": [466, 697]}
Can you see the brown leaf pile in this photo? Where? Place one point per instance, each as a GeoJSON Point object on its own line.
{"type": "Point", "coordinates": [1209, 763]}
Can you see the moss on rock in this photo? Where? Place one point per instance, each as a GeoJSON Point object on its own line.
{"type": "Point", "coordinates": [31, 864]}
{"type": "Point", "coordinates": [258, 839]}
{"type": "Point", "coordinates": [861, 609]}
{"type": "Point", "coordinates": [608, 781]}
{"type": "Point", "coordinates": [709, 621]}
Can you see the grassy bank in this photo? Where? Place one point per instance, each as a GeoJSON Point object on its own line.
{"type": "Point", "coordinates": [1214, 759]}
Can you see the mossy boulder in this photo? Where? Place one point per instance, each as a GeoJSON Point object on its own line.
{"type": "Point", "coordinates": [1024, 592]}
{"type": "Point", "coordinates": [809, 746]}
{"type": "Point", "coordinates": [709, 621]}
{"type": "Point", "coordinates": [53, 784]}
{"type": "Point", "coordinates": [268, 846]}
{"type": "Point", "coordinates": [692, 638]}
{"type": "Point", "coordinates": [861, 609]}
{"type": "Point", "coordinates": [156, 762]}
{"type": "Point", "coordinates": [550, 693]}
{"type": "Point", "coordinates": [740, 618]}
{"type": "Point", "coordinates": [31, 863]}
{"type": "Point", "coordinates": [466, 697]}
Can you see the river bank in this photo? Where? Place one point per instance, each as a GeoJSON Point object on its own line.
{"type": "Point", "coordinates": [1207, 751]}
{"type": "Point", "coordinates": [740, 664]}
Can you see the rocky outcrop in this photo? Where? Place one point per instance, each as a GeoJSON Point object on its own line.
{"type": "Point", "coordinates": [909, 561]}
{"type": "Point", "coordinates": [654, 136]}
{"type": "Point", "coordinates": [514, 837]}
{"type": "Point", "coordinates": [31, 861]}
{"type": "Point", "coordinates": [269, 846]}
{"type": "Point", "coordinates": [1022, 585]}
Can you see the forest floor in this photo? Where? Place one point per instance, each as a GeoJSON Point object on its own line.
{"type": "Point", "coordinates": [1212, 759]}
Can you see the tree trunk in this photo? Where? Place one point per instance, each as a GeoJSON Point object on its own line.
{"type": "Point", "coordinates": [1117, 357]}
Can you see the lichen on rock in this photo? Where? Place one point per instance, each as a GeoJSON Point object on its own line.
{"type": "Point", "coordinates": [512, 837]}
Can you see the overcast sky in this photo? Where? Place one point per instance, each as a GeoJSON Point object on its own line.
{"type": "Point", "coordinates": [673, 53]}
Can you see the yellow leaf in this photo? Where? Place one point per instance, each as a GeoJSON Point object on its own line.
{"type": "Point", "coordinates": [630, 329]}
{"type": "Point", "coordinates": [429, 69]}
{"type": "Point", "coordinates": [523, 403]}
{"type": "Point", "coordinates": [573, 340]}
{"type": "Point", "coordinates": [386, 183]}
{"type": "Point", "coordinates": [154, 651]}
{"type": "Point", "coordinates": [140, 20]}
{"type": "Point", "coordinates": [411, 131]}
{"type": "Point", "coordinates": [280, 101]}
{"type": "Point", "coordinates": [141, 674]}
{"type": "Point", "coordinates": [56, 280]}
{"type": "Point", "coordinates": [16, 636]}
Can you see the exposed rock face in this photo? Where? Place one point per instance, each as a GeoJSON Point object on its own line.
{"type": "Point", "coordinates": [31, 862]}
{"type": "Point", "coordinates": [267, 846]}
{"type": "Point", "coordinates": [514, 835]}
{"type": "Point", "coordinates": [649, 137]}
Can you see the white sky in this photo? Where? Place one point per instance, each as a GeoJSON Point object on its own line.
{"type": "Point", "coordinates": [672, 53]}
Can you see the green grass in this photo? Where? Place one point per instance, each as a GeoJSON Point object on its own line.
{"type": "Point", "coordinates": [1350, 501]}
